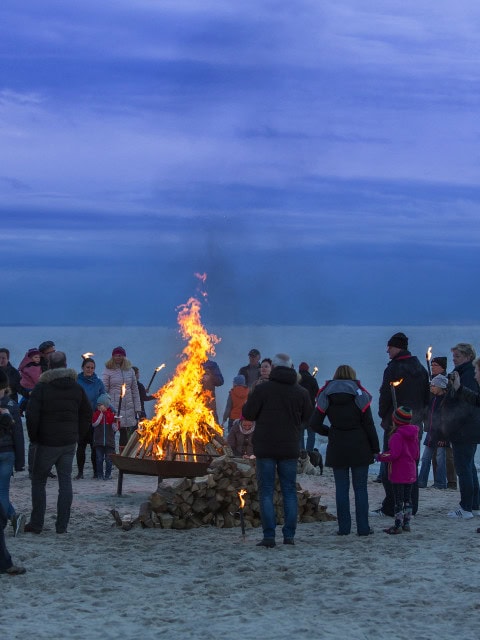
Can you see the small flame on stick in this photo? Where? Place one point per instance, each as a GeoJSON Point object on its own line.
{"type": "Point", "coordinates": [395, 383]}
{"type": "Point", "coordinates": [315, 371]}
{"type": "Point", "coordinates": [89, 354]}
{"type": "Point", "coordinates": [241, 493]}
{"type": "Point", "coordinates": [428, 355]}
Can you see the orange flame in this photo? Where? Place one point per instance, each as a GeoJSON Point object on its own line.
{"type": "Point", "coordinates": [395, 383]}
{"type": "Point", "coordinates": [157, 369]}
{"type": "Point", "coordinates": [89, 354]}
{"type": "Point", "coordinates": [241, 493]}
{"type": "Point", "coordinates": [124, 390]}
{"type": "Point", "coordinates": [184, 422]}
{"type": "Point", "coordinates": [428, 355]}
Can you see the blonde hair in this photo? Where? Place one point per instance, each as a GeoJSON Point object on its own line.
{"type": "Point", "coordinates": [465, 348]}
{"type": "Point", "coordinates": [126, 364]}
{"type": "Point", "coordinates": [345, 372]}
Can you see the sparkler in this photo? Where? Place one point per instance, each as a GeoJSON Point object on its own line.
{"type": "Point", "coordinates": [153, 376]}
{"type": "Point", "coordinates": [428, 357]}
{"type": "Point", "coordinates": [241, 493]}
{"type": "Point", "coordinates": [393, 385]}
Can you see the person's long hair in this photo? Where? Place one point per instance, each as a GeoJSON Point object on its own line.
{"type": "Point", "coordinates": [345, 372]}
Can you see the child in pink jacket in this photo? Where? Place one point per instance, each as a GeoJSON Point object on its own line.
{"type": "Point", "coordinates": [402, 458]}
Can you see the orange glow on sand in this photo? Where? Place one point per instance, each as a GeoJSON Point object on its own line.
{"type": "Point", "coordinates": [183, 422]}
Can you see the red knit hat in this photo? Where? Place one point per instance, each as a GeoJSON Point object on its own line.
{"type": "Point", "coordinates": [119, 351]}
{"type": "Point", "coordinates": [303, 366]}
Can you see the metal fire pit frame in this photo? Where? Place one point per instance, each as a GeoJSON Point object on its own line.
{"type": "Point", "coordinates": [159, 468]}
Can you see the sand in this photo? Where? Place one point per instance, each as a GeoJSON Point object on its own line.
{"type": "Point", "coordinates": [98, 581]}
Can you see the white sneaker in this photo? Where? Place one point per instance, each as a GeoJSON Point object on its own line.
{"type": "Point", "coordinates": [460, 514]}
{"type": "Point", "coordinates": [377, 513]}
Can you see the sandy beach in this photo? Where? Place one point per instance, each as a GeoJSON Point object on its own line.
{"type": "Point", "coordinates": [99, 581]}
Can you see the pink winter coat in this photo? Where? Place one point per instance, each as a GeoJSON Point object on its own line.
{"type": "Point", "coordinates": [402, 455]}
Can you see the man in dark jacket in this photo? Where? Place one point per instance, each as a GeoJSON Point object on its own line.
{"type": "Point", "coordinates": [58, 413]}
{"type": "Point", "coordinates": [279, 407]}
{"type": "Point", "coordinates": [463, 431]}
{"type": "Point", "coordinates": [12, 373]}
{"type": "Point", "coordinates": [309, 383]}
{"type": "Point", "coordinates": [412, 390]}
{"type": "Point", "coordinates": [251, 371]}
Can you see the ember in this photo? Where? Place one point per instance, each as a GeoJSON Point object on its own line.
{"type": "Point", "coordinates": [183, 423]}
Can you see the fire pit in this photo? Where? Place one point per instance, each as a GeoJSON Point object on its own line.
{"type": "Point", "coordinates": [158, 468]}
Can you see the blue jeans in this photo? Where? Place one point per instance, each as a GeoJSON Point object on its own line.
{"type": "Point", "coordinates": [440, 475]}
{"type": "Point", "coordinates": [45, 458]}
{"type": "Point", "coordinates": [310, 438]}
{"type": "Point", "coordinates": [464, 458]}
{"type": "Point", "coordinates": [7, 460]}
{"type": "Point", "coordinates": [5, 559]}
{"type": "Point", "coordinates": [287, 474]}
{"type": "Point", "coordinates": [103, 454]}
{"type": "Point", "coordinates": [342, 491]}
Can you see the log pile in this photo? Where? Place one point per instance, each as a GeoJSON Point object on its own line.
{"type": "Point", "coordinates": [213, 500]}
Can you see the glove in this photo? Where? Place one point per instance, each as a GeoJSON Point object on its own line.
{"type": "Point", "coordinates": [455, 378]}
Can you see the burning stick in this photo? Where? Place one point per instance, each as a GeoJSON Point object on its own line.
{"type": "Point", "coordinates": [241, 493]}
{"type": "Point", "coordinates": [428, 357]}
{"type": "Point", "coordinates": [153, 376]}
{"type": "Point", "coordinates": [122, 393]}
{"type": "Point", "coordinates": [393, 385]}
{"type": "Point", "coordinates": [89, 354]}
{"type": "Point", "coordinates": [315, 371]}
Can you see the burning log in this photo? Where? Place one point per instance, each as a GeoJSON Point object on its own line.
{"type": "Point", "coordinates": [212, 500]}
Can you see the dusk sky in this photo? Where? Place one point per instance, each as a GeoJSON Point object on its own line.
{"type": "Point", "coordinates": [318, 159]}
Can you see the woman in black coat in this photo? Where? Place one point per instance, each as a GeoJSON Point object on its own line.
{"type": "Point", "coordinates": [352, 443]}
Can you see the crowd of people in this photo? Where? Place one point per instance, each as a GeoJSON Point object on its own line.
{"type": "Point", "coordinates": [270, 409]}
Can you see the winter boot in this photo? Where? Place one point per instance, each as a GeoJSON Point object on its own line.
{"type": "Point", "coordinates": [407, 516]}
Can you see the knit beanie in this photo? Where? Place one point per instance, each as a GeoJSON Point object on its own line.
{"type": "Point", "coordinates": [119, 351]}
{"type": "Point", "coordinates": [398, 340]}
{"type": "Point", "coordinates": [402, 415]}
{"type": "Point", "coordinates": [105, 399]}
{"type": "Point", "coordinates": [303, 366]}
{"type": "Point", "coordinates": [439, 381]}
{"type": "Point", "coordinates": [441, 361]}
{"type": "Point", "coordinates": [239, 380]}
{"type": "Point", "coordinates": [33, 352]}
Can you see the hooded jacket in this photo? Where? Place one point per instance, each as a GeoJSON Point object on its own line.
{"type": "Point", "coordinates": [58, 412]}
{"type": "Point", "coordinates": [93, 387]}
{"type": "Point", "coordinates": [413, 392]}
{"type": "Point", "coordinates": [352, 437]}
{"type": "Point", "coordinates": [279, 407]}
{"type": "Point", "coordinates": [402, 455]}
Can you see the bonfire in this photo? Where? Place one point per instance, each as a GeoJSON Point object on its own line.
{"type": "Point", "coordinates": [184, 422]}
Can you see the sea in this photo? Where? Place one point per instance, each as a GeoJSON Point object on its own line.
{"type": "Point", "coordinates": [325, 347]}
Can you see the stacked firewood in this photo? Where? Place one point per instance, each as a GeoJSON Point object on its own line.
{"type": "Point", "coordinates": [213, 499]}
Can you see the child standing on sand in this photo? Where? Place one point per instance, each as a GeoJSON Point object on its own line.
{"type": "Point", "coordinates": [401, 459]}
{"type": "Point", "coordinates": [104, 428]}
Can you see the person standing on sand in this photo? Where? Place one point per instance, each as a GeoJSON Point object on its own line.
{"type": "Point", "coordinates": [463, 429]}
{"type": "Point", "coordinates": [93, 387]}
{"type": "Point", "coordinates": [12, 373]}
{"type": "Point", "coordinates": [309, 383]}
{"type": "Point", "coordinates": [58, 414]}
{"type": "Point", "coordinates": [278, 407]}
{"type": "Point", "coordinates": [413, 391]}
{"type": "Point", "coordinates": [352, 443]}
{"type": "Point", "coordinates": [402, 459]}
{"type": "Point", "coordinates": [118, 372]}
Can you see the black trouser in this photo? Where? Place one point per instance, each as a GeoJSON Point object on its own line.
{"type": "Point", "coordinates": [81, 452]}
